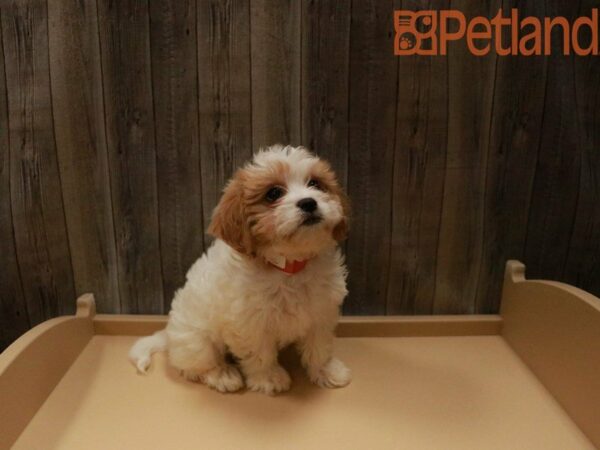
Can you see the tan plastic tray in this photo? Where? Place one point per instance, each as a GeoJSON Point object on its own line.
{"type": "Point", "coordinates": [526, 379]}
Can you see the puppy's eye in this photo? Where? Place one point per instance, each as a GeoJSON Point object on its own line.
{"type": "Point", "coordinates": [314, 183]}
{"type": "Point", "coordinates": [274, 194]}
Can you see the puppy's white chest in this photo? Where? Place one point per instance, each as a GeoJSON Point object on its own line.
{"type": "Point", "coordinates": [289, 314]}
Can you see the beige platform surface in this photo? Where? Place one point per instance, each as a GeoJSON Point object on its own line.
{"type": "Point", "coordinates": [407, 393]}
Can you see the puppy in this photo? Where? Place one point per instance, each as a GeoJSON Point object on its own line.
{"type": "Point", "coordinates": [273, 276]}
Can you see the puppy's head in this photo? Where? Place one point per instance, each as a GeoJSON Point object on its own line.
{"type": "Point", "coordinates": [286, 201]}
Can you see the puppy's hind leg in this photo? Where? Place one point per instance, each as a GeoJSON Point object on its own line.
{"type": "Point", "coordinates": [199, 359]}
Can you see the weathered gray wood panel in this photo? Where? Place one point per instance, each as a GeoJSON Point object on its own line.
{"type": "Point", "coordinates": [175, 91]}
{"type": "Point", "coordinates": [556, 181]}
{"type": "Point", "coordinates": [35, 188]}
{"type": "Point", "coordinates": [418, 184]}
{"type": "Point", "coordinates": [471, 81]}
{"type": "Point", "coordinates": [130, 136]}
{"type": "Point", "coordinates": [325, 80]}
{"type": "Point", "coordinates": [583, 261]}
{"type": "Point", "coordinates": [78, 111]}
{"type": "Point", "coordinates": [511, 164]}
{"type": "Point", "coordinates": [14, 319]}
{"type": "Point", "coordinates": [276, 59]}
{"type": "Point", "coordinates": [224, 83]}
{"type": "Point", "coordinates": [372, 120]}
{"type": "Point", "coordinates": [134, 114]}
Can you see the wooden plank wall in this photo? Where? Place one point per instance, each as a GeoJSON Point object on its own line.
{"type": "Point", "coordinates": [120, 122]}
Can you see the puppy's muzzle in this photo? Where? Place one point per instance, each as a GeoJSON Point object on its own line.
{"type": "Point", "coordinates": [309, 206]}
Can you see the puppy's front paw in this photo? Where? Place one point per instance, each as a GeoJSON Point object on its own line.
{"type": "Point", "coordinates": [225, 378]}
{"type": "Point", "coordinates": [333, 374]}
{"type": "Point", "coordinates": [270, 381]}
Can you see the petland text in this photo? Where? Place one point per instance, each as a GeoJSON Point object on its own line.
{"type": "Point", "coordinates": [429, 32]}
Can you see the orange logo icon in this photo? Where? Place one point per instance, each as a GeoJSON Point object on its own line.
{"type": "Point", "coordinates": [413, 29]}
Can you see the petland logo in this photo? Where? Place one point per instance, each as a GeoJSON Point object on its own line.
{"type": "Point", "coordinates": [429, 32]}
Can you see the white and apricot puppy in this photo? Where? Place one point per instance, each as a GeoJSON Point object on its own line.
{"type": "Point", "coordinates": [274, 276]}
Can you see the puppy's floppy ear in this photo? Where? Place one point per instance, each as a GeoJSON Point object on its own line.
{"type": "Point", "coordinates": [229, 221]}
{"type": "Point", "coordinates": [340, 231]}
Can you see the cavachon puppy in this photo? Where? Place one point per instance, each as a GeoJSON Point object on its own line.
{"type": "Point", "coordinates": [274, 276]}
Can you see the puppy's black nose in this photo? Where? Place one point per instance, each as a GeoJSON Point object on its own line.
{"type": "Point", "coordinates": [307, 204]}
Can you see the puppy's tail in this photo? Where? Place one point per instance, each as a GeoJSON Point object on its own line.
{"type": "Point", "coordinates": [141, 352]}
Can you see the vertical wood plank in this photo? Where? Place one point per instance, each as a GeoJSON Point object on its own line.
{"type": "Point", "coordinates": [418, 186]}
{"type": "Point", "coordinates": [471, 86]}
{"type": "Point", "coordinates": [325, 78]}
{"type": "Point", "coordinates": [276, 59]}
{"type": "Point", "coordinates": [583, 260]}
{"type": "Point", "coordinates": [224, 86]}
{"type": "Point", "coordinates": [35, 190]}
{"type": "Point", "coordinates": [373, 93]}
{"type": "Point", "coordinates": [78, 109]}
{"type": "Point", "coordinates": [515, 138]}
{"type": "Point", "coordinates": [175, 92]}
{"type": "Point", "coordinates": [125, 51]}
{"type": "Point", "coordinates": [556, 184]}
{"type": "Point", "coordinates": [13, 309]}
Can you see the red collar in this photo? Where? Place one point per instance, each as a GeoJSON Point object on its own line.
{"type": "Point", "coordinates": [287, 266]}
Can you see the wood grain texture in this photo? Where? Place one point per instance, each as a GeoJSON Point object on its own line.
{"type": "Point", "coordinates": [135, 113]}
{"type": "Point", "coordinates": [130, 127]}
{"type": "Point", "coordinates": [373, 93]}
{"type": "Point", "coordinates": [556, 184]}
{"type": "Point", "coordinates": [471, 81]}
{"type": "Point", "coordinates": [35, 188]}
{"type": "Point", "coordinates": [14, 319]}
{"type": "Point", "coordinates": [175, 92]}
{"type": "Point", "coordinates": [583, 260]}
{"type": "Point", "coordinates": [419, 172]}
{"type": "Point", "coordinates": [515, 136]}
{"type": "Point", "coordinates": [276, 72]}
{"type": "Point", "coordinates": [325, 80]}
{"type": "Point", "coordinates": [78, 110]}
{"type": "Point", "coordinates": [224, 84]}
